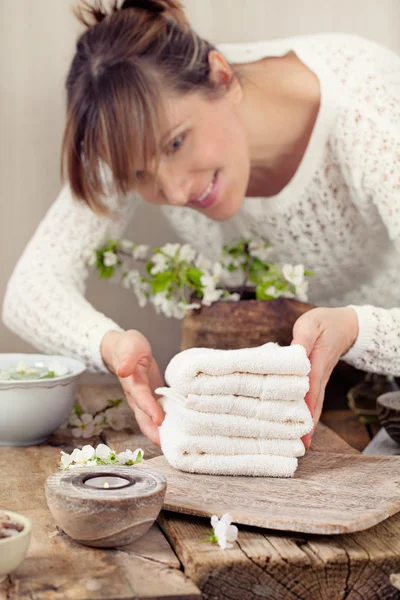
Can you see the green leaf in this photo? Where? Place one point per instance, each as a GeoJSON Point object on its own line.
{"type": "Point", "coordinates": [48, 375]}
{"type": "Point", "coordinates": [139, 458]}
{"type": "Point", "coordinates": [106, 272]}
{"type": "Point", "coordinates": [114, 403]}
{"type": "Point", "coordinates": [261, 293]}
{"type": "Point", "coordinates": [162, 281]}
{"type": "Point", "coordinates": [194, 275]}
{"type": "Point", "coordinates": [77, 409]}
{"type": "Point", "coordinates": [258, 270]}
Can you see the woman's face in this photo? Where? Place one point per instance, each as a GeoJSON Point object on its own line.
{"type": "Point", "coordinates": [204, 156]}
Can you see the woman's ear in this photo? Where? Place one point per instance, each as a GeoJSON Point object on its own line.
{"type": "Point", "coordinates": [222, 75]}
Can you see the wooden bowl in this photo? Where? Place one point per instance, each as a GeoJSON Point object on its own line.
{"type": "Point", "coordinates": [388, 408]}
{"type": "Point", "coordinates": [100, 517]}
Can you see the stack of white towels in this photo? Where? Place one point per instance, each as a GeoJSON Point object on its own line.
{"type": "Point", "coordinates": [236, 412]}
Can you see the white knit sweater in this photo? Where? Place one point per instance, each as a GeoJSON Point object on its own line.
{"type": "Point", "coordinates": [339, 215]}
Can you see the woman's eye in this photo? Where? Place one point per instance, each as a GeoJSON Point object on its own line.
{"type": "Point", "coordinates": [140, 175]}
{"type": "Point", "coordinates": [176, 143]}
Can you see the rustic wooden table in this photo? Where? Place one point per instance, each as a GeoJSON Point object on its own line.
{"type": "Point", "coordinates": [170, 562]}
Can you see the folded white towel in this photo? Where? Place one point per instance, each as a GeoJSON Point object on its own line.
{"type": "Point", "coordinates": [172, 439]}
{"type": "Point", "coordinates": [264, 387]}
{"type": "Point", "coordinates": [246, 371]}
{"type": "Point", "coordinates": [186, 454]}
{"type": "Point", "coordinates": [266, 410]}
{"type": "Point", "coordinates": [199, 423]}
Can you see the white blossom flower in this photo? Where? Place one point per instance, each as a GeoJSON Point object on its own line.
{"type": "Point", "coordinates": [83, 426]}
{"type": "Point", "coordinates": [293, 274]}
{"type": "Point", "coordinates": [260, 249]}
{"type": "Point", "coordinates": [160, 264]}
{"type": "Point", "coordinates": [103, 451]}
{"type": "Point", "coordinates": [192, 306]}
{"type": "Point", "coordinates": [140, 252]}
{"type": "Point", "coordinates": [126, 245]}
{"type": "Point", "coordinates": [98, 424]}
{"type": "Point", "coordinates": [141, 290]}
{"type": "Point", "coordinates": [171, 249]}
{"type": "Point", "coordinates": [203, 263]}
{"type": "Point", "coordinates": [80, 456]}
{"type": "Point", "coordinates": [217, 271]}
{"type": "Point", "coordinates": [178, 310]}
{"type": "Point", "coordinates": [66, 460]}
{"type": "Point", "coordinates": [187, 253]}
{"type": "Point", "coordinates": [272, 291]}
{"type": "Point", "coordinates": [58, 369]}
{"type": "Point", "coordinates": [302, 291]}
{"type": "Point", "coordinates": [287, 294]}
{"type": "Point", "coordinates": [160, 303]}
{"type": "Point", "coordinates": [224, 532]}
{"type": "Point", "coordinates": [210, 293]}
{"type": "Point", "coordinates": [110, 259]}
{"type": "Point", "coordinates": [116, 417]}
{"type": "Point", "coordinates": [129, 457]}
{"type": "Point", "coordinates": [89, 456]}
{"type": "Point", "coordinates": [227, 260]}
{"type": "Point", "coordinates": [235, 297]}
{"type": "Point", "coordinates": [131, 278]}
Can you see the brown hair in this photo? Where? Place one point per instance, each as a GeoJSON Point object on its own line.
{"type": "Point", "coordinates": [114, 90]}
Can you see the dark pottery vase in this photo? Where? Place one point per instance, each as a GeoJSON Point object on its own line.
{"type": "Point", "coordinates": [249, 323]}
{"type": "Point", "coordinates": [243, 324]}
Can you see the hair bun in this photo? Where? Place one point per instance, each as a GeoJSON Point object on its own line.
{"type": "Point", "coordinates": [91, 12]}
{"type": "Point", "coordinates": [149, 5]}
{"type": "Point", "coordinates": [171, 8]}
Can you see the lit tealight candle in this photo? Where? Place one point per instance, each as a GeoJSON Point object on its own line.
{"type": "Point", "coordinates": [107, 482]}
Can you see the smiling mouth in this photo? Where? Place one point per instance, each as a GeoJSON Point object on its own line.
{"type": "Point", "coordinates": [208, 196]}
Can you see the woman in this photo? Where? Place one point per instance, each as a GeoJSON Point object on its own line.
{"type": "Point", "coordinates": [297, 140]}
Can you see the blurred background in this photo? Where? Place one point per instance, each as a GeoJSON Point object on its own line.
{"type": "Point", "coordinates": [37, 41]}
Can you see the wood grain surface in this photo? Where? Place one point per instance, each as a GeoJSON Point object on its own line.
{"type": "Point", "coordinates": [263, 563]}
{"type": "Point", "coordinates": [280, 565]}
{"type": "Point", "coordinates": [290, 566]}
{"type": "Point", "coordinates": [329, 494]}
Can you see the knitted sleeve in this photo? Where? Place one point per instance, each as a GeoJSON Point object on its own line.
{"type": "Point", "coordinates": [44, 301]}
{"type": "Point", "coordinates": [376, 170]}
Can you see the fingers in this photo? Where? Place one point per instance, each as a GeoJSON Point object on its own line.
{"type": "Point", "coordinates": [139, 394]}
{"type": "Point", "coordinates": [155, 377]}
{"type": "Point", "coordinates": [144, 397]}
{"type": "Point", "coordinates": [147, 427]}
{"type": "Point", "coordinates": [305, 333]}
{"type": "Point", "coordinates": [133, 349]}
{"type": "Point", "coordinates": [129, 359]}
{"type": "Point", "coordinates": [319, 376]}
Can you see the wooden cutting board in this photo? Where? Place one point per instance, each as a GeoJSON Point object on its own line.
{"type": "Point", "coordinates": [329, 494]}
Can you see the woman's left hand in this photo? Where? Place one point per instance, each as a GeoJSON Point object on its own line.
{"type": "Point", "coordinates": [327, 334]}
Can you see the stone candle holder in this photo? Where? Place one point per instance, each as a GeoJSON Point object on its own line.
{"type": "Point", "coordinates": [105, 506]}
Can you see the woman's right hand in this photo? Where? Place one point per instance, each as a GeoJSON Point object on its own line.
{"type": "Point", "coordinates": [128, 354]}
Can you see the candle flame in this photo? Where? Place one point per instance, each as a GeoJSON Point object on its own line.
{"type": "Point", "coordinates": [106, 485]}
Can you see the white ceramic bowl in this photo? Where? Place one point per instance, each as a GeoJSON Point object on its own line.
{"type": "Point", "coordinates": [31, 410]}
{"type": "Point", "coordinates": [13, 549]}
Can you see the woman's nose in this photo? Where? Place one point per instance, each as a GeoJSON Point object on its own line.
{"type": "Point", "coordinates": [175, 188]}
